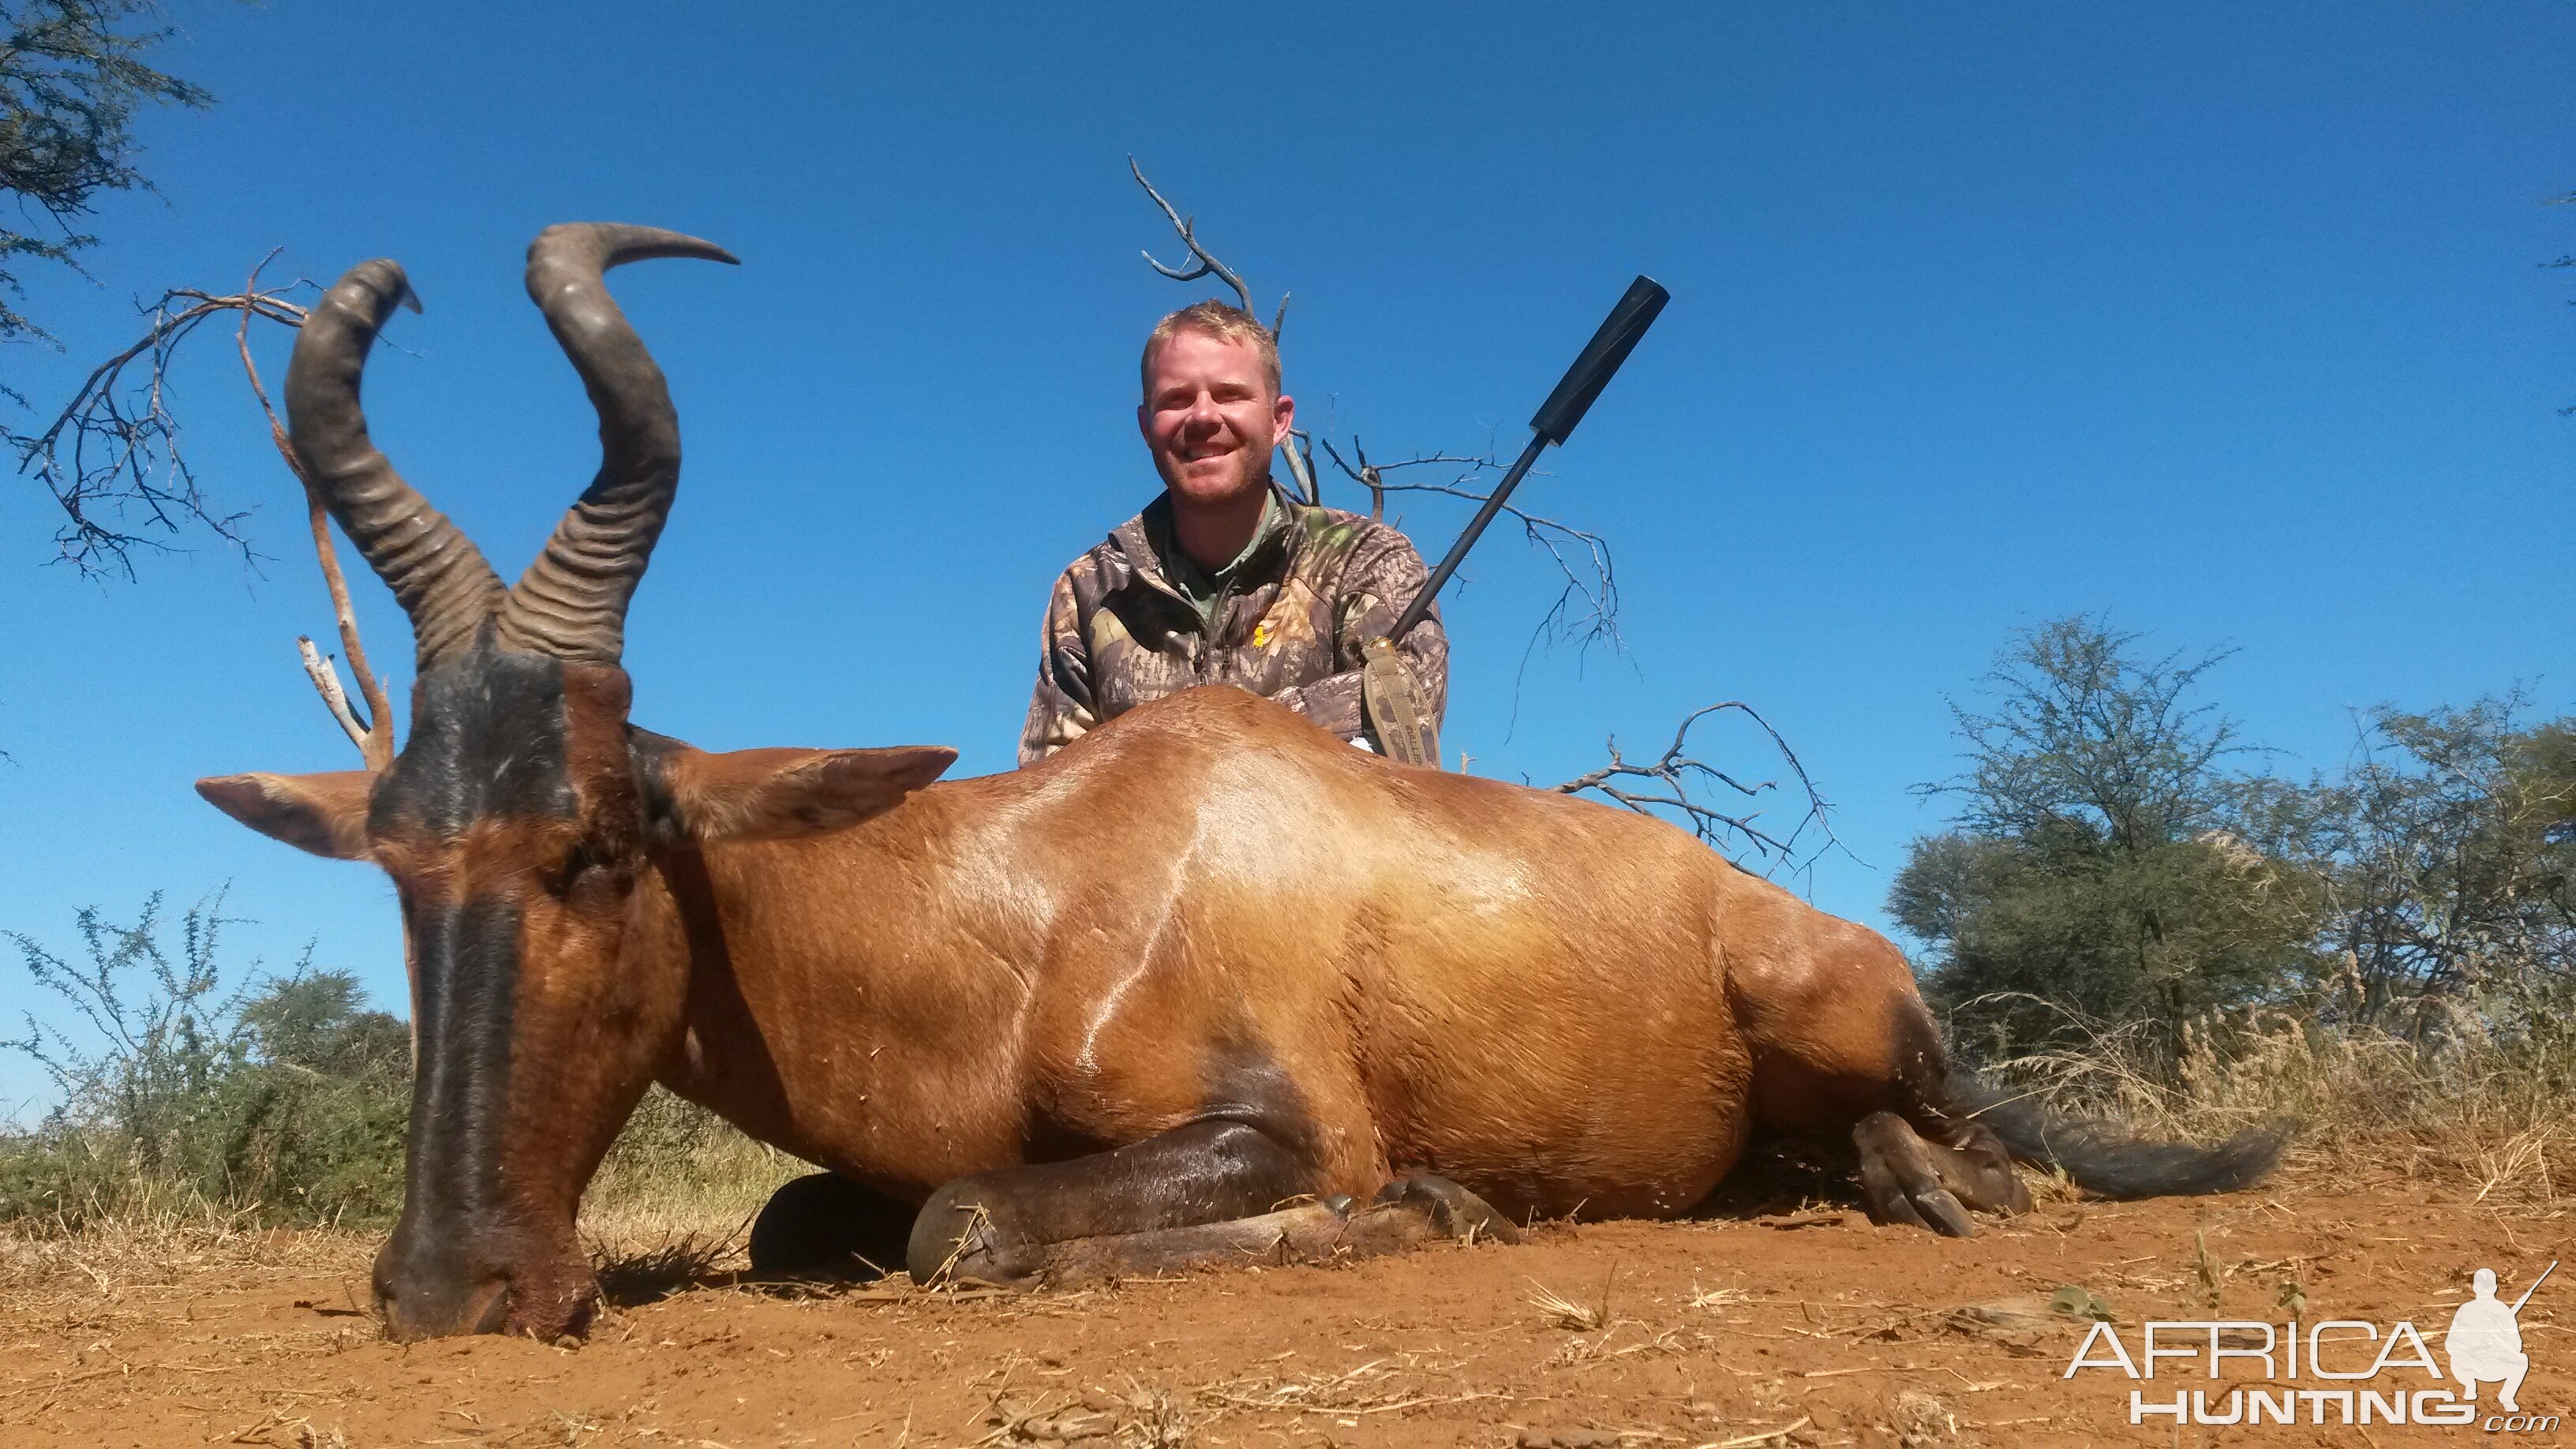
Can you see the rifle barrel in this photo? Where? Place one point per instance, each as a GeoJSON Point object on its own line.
{"type": "Point", "coordinates": [1421, 605]}
{"type": "Point", "coordinates": [1565, 407]}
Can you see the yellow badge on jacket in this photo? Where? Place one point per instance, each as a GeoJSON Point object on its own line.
{"type": "Point", "coordinates": [1263, 633]}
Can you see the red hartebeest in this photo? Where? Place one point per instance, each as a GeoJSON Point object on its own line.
{"type": "Point", "coordinates": [1194, 986]}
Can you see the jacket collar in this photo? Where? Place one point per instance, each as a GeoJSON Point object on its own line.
{"type": "Point", "coordinates": [1135, 542]}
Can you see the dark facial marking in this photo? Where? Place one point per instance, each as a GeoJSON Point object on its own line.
{"type": "Point", "coordinates": [487, 740]}
{"type": "Point", "coordinates": [487, 750]}
{"type": "Point", "coordinates": [459, 1097]}
{"type": "Point", "coordinates": [467, 954]}
{"type": "Point", "coordinates": [663, 828]}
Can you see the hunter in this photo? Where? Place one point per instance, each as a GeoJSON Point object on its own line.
{"type": "Point", "coordinates": [1226, 578]}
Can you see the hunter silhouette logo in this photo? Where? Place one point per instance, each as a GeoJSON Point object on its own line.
{"type": "Point", "coordinates": [2336, 1371]}
{"type": "Point", "coordinates": [2485, 1341]}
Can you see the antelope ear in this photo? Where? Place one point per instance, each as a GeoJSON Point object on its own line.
{"type": "Point", "coordinates": [324, 813]}
{"type": "Point", "coordinates": [781, 794]}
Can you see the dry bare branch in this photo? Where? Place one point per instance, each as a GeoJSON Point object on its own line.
{"type": "Point", "coordinates": [1586, 609]}
{"type": "Point", "coordinates": [114, 452]}
{"type": "Point", "coordinates": [326, 682]}
{"type": "Point", "coordinates": [375, 737]}
{"type": "Point", "coordinates": [1207, 264]}
{"type": "Point", "coordinates": [1299, 449]}
{"type": "Point", "coordinates": [1665, 787]}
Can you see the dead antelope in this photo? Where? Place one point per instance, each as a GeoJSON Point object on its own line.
{"type": "Point", "coordinates": [1208, 982]}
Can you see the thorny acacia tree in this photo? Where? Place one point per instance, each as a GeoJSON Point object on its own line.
{"type": "Point", "coordinates": [2102, 857]}
{"type": "Point", "coordinates": [2448, 856]}
{"type": "Point", "coordinates": [2107, 869]}
{"type": "Point", "coordinates": [1585, 610]}
{"type": "Point", "coordinates": [281, 1098]}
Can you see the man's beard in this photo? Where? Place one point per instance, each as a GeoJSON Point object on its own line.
{"type": "Point", "coordinates": [1252, 475]}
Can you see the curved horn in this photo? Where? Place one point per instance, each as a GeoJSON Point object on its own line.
{"type": "Point", "coordinates": [432, 567]}
{"type": "Point", "coordinates": [571, 603]}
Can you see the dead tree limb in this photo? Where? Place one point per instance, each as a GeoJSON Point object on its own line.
{"type": "Point", "coordinates": [1586, 609]}
{"type": "Point", "coordinates": [1205, 261]}
{"type": "Point", "coordinates": [326, 682]}
{"type": "Point", "coordinates": [373, 735]}
{"type": "Point", "coordinates": [115, 450]}
{"type": "Point", "coordinates": [1664, 787]}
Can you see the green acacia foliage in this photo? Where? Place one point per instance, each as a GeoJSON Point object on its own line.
{"type": "Point", "coordinates": [2105, 860]}
{"type": "Point", "coordinates": [72, 76]}
{"type": "Point", "coordinates": [2448, 847]}
{"type": "Point", "coordinates": [2109, 867]}
{"type": "Point", "coordinates": [281, 1101]}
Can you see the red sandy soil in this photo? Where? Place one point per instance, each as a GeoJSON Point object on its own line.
{"type": "Point", "coordinates": [1807, 1329]}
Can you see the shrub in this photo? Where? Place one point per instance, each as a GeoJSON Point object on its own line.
{"type": "Point", "coordinates": [280, 1101]}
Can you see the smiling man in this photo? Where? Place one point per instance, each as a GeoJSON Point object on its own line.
{"type": "Point", "coordinates": [1226, 579]}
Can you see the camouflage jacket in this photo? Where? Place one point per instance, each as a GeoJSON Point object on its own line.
{"type": "Point", "coordinates": [1288, 625]}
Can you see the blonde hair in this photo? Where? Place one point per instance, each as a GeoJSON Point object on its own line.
{"type": "Point", "coordinates": [1222, 322]}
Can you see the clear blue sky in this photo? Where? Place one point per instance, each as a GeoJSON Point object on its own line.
{"type": "Point", "coordinates": [2227, 320]}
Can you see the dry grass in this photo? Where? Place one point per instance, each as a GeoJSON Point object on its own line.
{"type": "Point", "coordinates": [670, 1207]}
{"type": "Point", "coordinates": [106, 1262]}
{"type": "Point", "coordinates": [673, 1202]}
{"type": "Point", "coordinates": [1139, 1417]}
{"type": "Point", "coordinates": [2489, 1121]}
{"type": "Point", "coordinates": [2461, 1109]}
{"type": "Point", "coordinates": [1390, 1385]}
{"type": "Point", "coordinates": [1560, 1311]}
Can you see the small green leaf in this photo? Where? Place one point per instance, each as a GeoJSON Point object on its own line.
{"type": "Point", "coordinates": [2073, 1302]}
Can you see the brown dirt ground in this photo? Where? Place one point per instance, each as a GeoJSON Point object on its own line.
{"type": "Point", "coordinates": [1803, 1329]}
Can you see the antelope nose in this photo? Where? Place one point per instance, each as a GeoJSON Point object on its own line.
{"type": "Point", "coordinates": [435, 1300]}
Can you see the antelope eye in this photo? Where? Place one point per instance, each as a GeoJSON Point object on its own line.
{"type": "Point", "coordinates": [591, 867]}
{"type": "Point", "coordinates": [575, 867]}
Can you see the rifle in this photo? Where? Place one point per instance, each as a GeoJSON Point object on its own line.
{"type": "Point", "coordinates": [2535, 1286]}
{"type": "Point", "coordinates": [1386, 692]}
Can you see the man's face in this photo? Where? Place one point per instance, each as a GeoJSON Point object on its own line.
{"type": "Point", "coordinates": [1209, 417]}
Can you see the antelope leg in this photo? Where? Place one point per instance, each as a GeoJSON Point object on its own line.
{"type": "Point", "coordinates": [995, 1226]}
{"type": "Point", "coordinates": [1408, 1214]}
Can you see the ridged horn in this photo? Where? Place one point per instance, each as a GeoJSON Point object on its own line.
{"type": "Point", "coordinates": [571, 603]}
{"type": "Point", "coordinates": [432, 567]}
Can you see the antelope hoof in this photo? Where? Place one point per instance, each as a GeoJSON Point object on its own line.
{"type": "Point", "coordinates": [956, 1240]}
{"type": "Point", "coordinates": [1902, 1181]}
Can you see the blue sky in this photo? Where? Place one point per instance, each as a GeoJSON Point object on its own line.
{"type": "Point", "coordinates": [2225, 320]}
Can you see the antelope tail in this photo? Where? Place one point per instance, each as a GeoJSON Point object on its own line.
{"type": "Point", "coordinates": [2100, 1159]}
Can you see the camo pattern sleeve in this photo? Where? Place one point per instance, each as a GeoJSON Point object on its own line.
{"type": "Point", "coordinates": [1376, 579]}
{"type": "Point", "coordinates": [1060, 707]}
